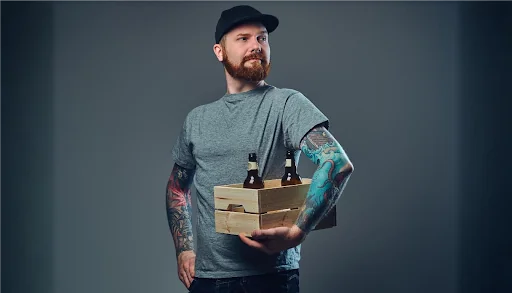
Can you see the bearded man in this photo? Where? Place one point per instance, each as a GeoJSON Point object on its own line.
{"type": "Point", "coordinates": [212, 149]}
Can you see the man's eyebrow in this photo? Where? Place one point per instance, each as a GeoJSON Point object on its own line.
{"type": "Point", "coordinates": [247, 34]}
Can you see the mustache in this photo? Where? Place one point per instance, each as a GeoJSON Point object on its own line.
{"type": "Point", "coordinates": [255, 56]}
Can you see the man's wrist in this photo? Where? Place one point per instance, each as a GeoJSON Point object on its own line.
{"type": "Point", "coordinates": [297, 233]}
{"type": "Point", "coordinates": [184, 250]}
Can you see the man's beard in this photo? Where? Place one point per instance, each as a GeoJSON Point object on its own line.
{"type": "Point", "coordinates": [255, 72]}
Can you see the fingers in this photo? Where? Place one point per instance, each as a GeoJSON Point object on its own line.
{"type": "Point", "coordinates": [188, 273]}
{"type": "Point", "coordinates": [258, 234]}
{"type": "Point", "coordinates": [254, 244]}
{"type": "Point", "coordinates": [265, 233]}
{"type": "Point", "coordinates": [184, 279]}
{"type": "Point", "coordinates": [193, 269]}
{"type": "Point", "coordinates": [186, 267]}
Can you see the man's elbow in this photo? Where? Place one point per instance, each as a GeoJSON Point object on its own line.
{"type": "Point", "coordinates": [342, 161]}
{"type": "Point", "coordinates": [349, 167]}
{"type": "Point", "coordinates": [345, 166]}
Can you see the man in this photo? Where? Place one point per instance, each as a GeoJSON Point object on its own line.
{"type": "Point", "coordinates": [212, 149]}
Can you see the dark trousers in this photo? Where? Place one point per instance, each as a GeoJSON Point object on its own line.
{"type": "Point", "coordinates": [281, 282]}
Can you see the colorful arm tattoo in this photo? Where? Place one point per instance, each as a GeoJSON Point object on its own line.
{"type": "Point", "coordinates": [179, 208]}
{"type": "Point", "coordinates": [329, 180]}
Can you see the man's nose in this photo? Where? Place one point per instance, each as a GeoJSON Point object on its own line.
{"type": "Point", "coordinates": [255, 45]}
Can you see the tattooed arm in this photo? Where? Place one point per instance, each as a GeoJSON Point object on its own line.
{"type": "Point", "coordinates": [329, 180]}
{"type": "Point", "coordinates": [179, 212]}
{"type": "Point", "coordinates": [179, 208]}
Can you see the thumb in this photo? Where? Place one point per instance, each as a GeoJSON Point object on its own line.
{"type": "Point", "coordinates": [266, 233]}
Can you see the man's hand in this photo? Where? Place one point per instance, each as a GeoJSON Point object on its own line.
{"type": "Point", "coordinates": [186, 267]}
{"type": "Point", "coordinates": [275, 240]}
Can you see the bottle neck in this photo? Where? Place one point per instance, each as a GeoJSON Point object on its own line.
{"type": "Point", "coordinates": [252, 168]}
{"type": "Point", "coordinates": [252, 172]}
{"type": "Point", "coordinates": [290, 169]}
{"type": "Point", "coordinates": [252, 165]}
{"type": "Point", "coordinates": [290, 164]}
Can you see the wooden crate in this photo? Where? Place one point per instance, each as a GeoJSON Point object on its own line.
{"type": "Point", "coordinates": [242, 210]}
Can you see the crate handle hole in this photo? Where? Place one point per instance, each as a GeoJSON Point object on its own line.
{"type": "Point", "coordinates": [236, 208]}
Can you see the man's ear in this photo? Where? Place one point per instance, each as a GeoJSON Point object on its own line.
{"type": "Point", "coordinates": [217, 50]}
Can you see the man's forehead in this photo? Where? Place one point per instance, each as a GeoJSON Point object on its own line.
{"type": "Point", "coordinates": [249, 28]}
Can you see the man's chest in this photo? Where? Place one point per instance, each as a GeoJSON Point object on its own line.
{"type": "Point", "coordinates": [227, 137]}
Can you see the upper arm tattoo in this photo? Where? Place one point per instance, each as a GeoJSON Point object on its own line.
{"type": "Point", "coordinates": [329, 180]}
{"type": "Point", "coordinates": [179, 208]}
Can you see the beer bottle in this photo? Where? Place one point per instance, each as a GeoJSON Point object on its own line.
{"type": "Point", "coordinates": [253, 180]}
{"type": "Point", "coordinates": [290, 176]}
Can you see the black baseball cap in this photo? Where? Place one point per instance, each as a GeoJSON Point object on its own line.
{"type": "Point", "coordinates": [242, 14]}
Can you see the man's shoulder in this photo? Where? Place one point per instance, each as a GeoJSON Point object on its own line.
{"type": "Point", "coordinates": [198, 110]}
{"type": "Point", "coordinates": [284, 91]}
{"type": "Point", "coordinates": [285, 95]}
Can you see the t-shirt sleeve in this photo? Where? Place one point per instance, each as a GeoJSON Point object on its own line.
{"type": "Point", "coordinates": [182, 150]}
{"type": "Point", "coordinates": [300, 115]}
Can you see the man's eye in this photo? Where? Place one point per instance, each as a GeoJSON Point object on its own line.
{"type": "Point", "coordinates": [242, 38]}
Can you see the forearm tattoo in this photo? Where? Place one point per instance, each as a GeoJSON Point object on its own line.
{"type": "Point", "coordinates": [329, 180]}
{"type": "Point", "coordinates": [179, 208]}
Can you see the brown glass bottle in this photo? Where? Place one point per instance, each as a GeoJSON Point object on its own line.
{"type": "Point", "coordinates": [253, 180]}
{"type": "Point", "coordinates": [290, 176]}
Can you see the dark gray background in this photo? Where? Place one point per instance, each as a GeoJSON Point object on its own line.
{"type": "Point", "coordinates": [94, 94]}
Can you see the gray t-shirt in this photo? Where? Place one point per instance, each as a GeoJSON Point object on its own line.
{"type": "Point", "coordinates": [216, 140]}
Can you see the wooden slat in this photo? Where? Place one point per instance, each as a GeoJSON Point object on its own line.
{"type": "Point", "coordinates": [285, 218]}
{"type": "Point", "coordinates": [224, 196]}
{"type": "Point", "coordinates": [235, 222]}
{"type": "Point", "coordinates": [283, 197]}
{"type": "Point", "coordinates": [272, 197]}
{"type": "Point", "coordinates": [272, 183]}
{"type": "Point", "coordinates": [239, 222]}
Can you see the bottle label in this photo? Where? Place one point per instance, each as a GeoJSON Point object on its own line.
{"type": "Point", "coordinates": [252, 166]}
{"type": "Point", "coordinates": [288, 162]}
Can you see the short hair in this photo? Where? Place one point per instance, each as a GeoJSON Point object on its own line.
{"type": "Point", "coordinates": [222, 41]}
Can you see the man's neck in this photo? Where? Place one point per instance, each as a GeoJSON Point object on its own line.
{"type": "Point", "coordinates": [236, 86]}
